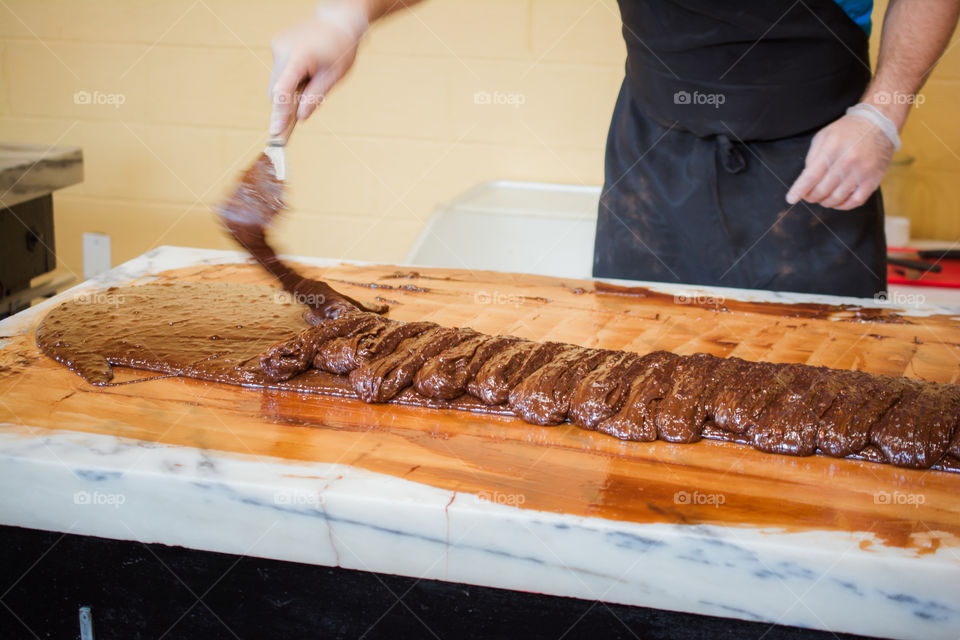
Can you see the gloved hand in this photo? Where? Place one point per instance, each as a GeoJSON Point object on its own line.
{"type": "Point", "coordinates": [321, 49]}
{"type": "Point", "coordinates": [846, 162]}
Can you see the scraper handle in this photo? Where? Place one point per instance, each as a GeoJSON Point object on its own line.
{"type": "Point", "coordinates": [280, 140]}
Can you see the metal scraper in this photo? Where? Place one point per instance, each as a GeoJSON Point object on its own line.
{"type": "Point", "coordinates": [276, 145]}
{"type": "Point", "coordinates": [250, 209]}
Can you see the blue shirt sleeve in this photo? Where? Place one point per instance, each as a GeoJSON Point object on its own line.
{"type": "Point", "coordinates": [859, 11]}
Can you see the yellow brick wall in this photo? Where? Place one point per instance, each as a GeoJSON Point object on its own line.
{"type": "Point", "coordinates": [400, 135]}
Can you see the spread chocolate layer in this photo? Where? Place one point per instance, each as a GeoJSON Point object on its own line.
{"type": "Point", "coordinates": [254, 336]}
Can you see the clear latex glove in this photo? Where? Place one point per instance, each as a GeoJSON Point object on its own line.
{"type": "Point", "coordinates": [846, 162]}
{"type": "Point", "coordinates": [321, 49]}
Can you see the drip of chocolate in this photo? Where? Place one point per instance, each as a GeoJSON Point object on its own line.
{"type": "Point", "coordinates": [247, 214]}
{"type": "Point", "coordinates": [249, 336]}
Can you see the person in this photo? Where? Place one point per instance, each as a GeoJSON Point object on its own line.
{"type": "Point", "coordinates": [747, 143]}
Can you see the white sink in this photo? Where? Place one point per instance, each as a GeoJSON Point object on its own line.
{"type": "Point", "coordinates": [525, 227]}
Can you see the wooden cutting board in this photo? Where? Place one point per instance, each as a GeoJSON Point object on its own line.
{"type": "Point", "coordinates": [559, 469]}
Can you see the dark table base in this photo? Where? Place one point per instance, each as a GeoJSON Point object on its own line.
{"type": "Point", "coordinates": [26, 246]}
{"type": "Point", "coordinates": [154, 591]}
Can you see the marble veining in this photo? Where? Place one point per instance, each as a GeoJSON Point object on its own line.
{"type": "Point", "coordinates": [29, 171]}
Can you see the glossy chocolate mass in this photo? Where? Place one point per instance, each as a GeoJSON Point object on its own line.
{"type": "Point", "coordinates": [790, 409]}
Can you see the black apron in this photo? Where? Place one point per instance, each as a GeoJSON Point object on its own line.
{"type": "Point", "coordinates": [712, 125]}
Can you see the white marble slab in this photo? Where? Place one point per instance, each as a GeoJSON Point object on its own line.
{"type": "Point", "coordinates": [29, 171]}
{"type": "Point", "coordinates": [338, 515]}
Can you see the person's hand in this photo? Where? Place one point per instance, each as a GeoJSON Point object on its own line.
{"type": "Point", "coordinates": [846, 162]}
{"type": "Point", "coordinates": [320, 50]}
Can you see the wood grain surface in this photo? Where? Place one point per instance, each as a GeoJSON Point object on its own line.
{"type": "Point", "coordinates": [559, 469]}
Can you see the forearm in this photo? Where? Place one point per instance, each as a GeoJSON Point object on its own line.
{"type": "Point", "coordinates": [915, 34]}
{"type": "Point", "coordinates": [376, 9]}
